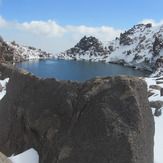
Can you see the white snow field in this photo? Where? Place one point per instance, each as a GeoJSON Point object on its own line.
{"type": "Point", "coordinates": [29, 156]}
{"type": "Point", "coordinates": [3, 83]}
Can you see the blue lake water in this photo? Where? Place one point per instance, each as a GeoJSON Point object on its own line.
{"type": "Point", "coordinates": [77, 70]}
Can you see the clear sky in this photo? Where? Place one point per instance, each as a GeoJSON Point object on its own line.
{"type": "Point", "coordinates": [55, 25]}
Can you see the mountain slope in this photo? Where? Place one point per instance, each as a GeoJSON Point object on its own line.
{"type": "Point", "coordinates": [12, 52]}
{"type": "Point", "coordinates": [140, 47]}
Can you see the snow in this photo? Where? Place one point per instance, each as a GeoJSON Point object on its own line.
{"type": "Point", "coordinates": [156, 96]}
{"type": "Point", "coordinates": [29, 156]}
{"type": "Point", "coordinates": [3, 83]}
{"type": "Point", "coordinates": [27, 53]}
{"type": "Point", "coordinates": [158, 143]}
{"type": "Point", "coordinates": [158, 146]}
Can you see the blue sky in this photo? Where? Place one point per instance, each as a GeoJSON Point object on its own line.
{"type": "Point", "coordinates": [50, 23]}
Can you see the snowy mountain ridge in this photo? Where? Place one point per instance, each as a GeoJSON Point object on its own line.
{"type": "Point", "coordinates": [27, 53]}
{"type": "Point", "coordinates": [12, 52]}
{"type": "Point", "coordinates": [139, 47]}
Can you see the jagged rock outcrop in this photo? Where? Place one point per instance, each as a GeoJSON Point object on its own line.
{"type": "Point", "coordinates": [86, 43]}
{"type": "Point", "coordinates": [140, 47]}
{"type": "Point", "coordinates": [105, 119]}
{"type": "Point", "coordinates": [88, 48]}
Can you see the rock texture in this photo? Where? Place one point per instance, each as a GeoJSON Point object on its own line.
{"type": "Point", "coordinates": [105, 119]}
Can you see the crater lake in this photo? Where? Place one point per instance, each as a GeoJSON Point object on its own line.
{"type": "Point", "coordinates": [77, 70]}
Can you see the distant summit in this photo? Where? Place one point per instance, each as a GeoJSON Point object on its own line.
{"type": "Point", "coordinates": [140, 47]}
{"type": "Point", "coordinates": [88, 48]}
{"type": "Point", "coordinates": [89, 43]}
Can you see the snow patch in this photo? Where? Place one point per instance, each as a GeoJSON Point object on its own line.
{"type": "Point", "coordinates": [3, 83]}
{"type": "Point", "coordinates": [29, 156]}
{"type": "Point", "coordinates": [158, 143]}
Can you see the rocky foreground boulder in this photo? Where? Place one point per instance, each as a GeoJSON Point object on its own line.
{"type": "Point", "coordinates": [102, 120]}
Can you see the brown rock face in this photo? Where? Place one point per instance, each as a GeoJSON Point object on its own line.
{"type": "Point", "coordinates": [103, 120]}
{"type": "Point", "coordinates": [6, 53]}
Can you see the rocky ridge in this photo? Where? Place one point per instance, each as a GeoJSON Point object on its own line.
{"type": "Point", "coordinates": [12, 52]}
{"type": "Point", "coordinates": [139, 47]}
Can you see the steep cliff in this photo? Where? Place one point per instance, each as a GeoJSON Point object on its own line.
{"type": "Point", "coordinates": [105, 119]}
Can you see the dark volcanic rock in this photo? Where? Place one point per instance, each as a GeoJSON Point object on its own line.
{"type": "Point", "coordinates": [124, 39]}
{"type": "Point", "coordinates": [157, 45]}
{"type": "Point", "coordinates": [87, 42]}
{"type": "Point", "coordinates": [103, 120]}
{"type": "Point", "coordinates": [90, 46]}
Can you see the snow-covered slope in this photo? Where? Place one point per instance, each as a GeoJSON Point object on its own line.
{"type": "Point", "coordinates": [26, 53]}
{"type": "Point", "coordinates": [140, 47]}
{"type": "Point", "coordinates": [12, 52]}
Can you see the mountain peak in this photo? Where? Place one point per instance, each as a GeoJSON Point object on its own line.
{"type": "Point", "coordinates": [87, 42]}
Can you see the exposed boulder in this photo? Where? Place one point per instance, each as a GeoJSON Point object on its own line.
{"type": "Point", "coordinates": [156, 104]}
{"type": "Point", "coordinates": [158, 112]}
{"type": "Point", "coordinates": [105, 119]}
{"type": "Point", "coordinates": [157, 87]}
